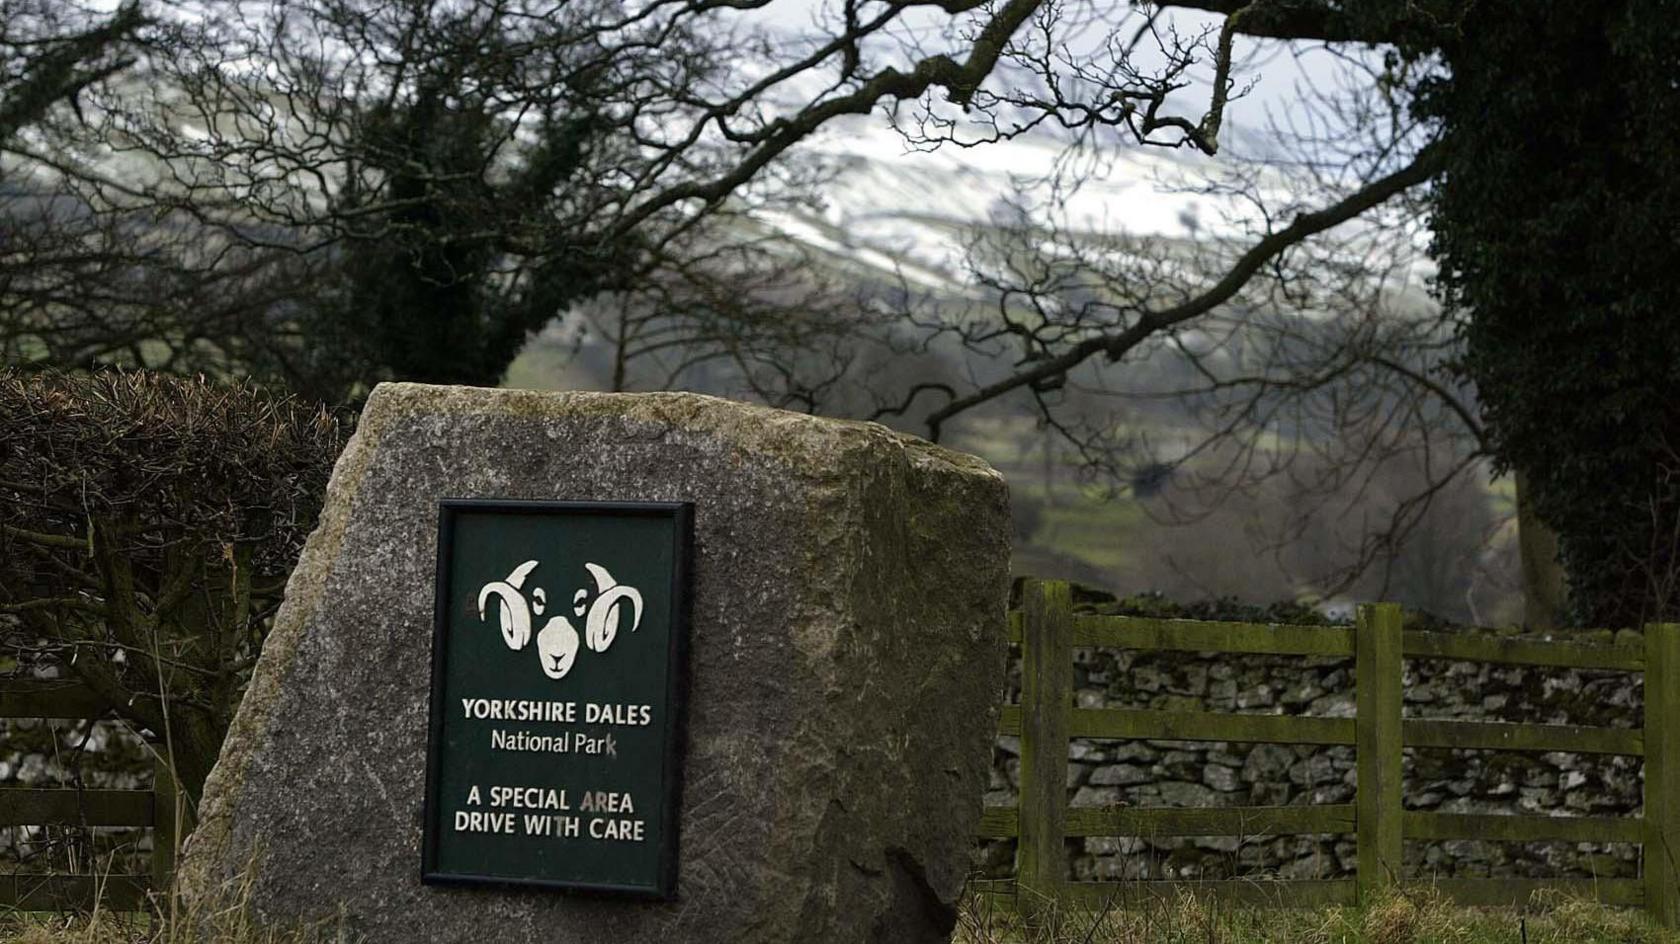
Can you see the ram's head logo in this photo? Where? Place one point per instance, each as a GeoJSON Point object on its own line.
{"type": "Point", "coordinates": [602, 612]}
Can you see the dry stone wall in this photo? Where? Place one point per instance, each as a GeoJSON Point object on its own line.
{"type": "Point", "coordinates": [1140, 773]}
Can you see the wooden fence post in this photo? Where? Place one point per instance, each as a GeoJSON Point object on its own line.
{"type": "Point", "coordinates": [1046, 697]}
{"type": "Point", "coordinates": [1661, 834]}
{"type": "Point", "coordinates": [164, 822]}
{"type": "Point", "coordinates": [1378, 669]}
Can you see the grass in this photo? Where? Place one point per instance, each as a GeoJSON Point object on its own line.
{"type": "Point", "coordinates": [107, 928]}
{"type": "Point", "coordinates": [1398, 919]}
{"type": "Point", "coordinates": [1093, 531]}
{"type": "Point", "coordinates": [230, 924]}
{"type": "Point", "coordinates": [1409, 918]}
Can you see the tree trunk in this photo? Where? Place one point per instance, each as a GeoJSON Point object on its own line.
{"type": "Point", "coordinates": [195, 744]}
{"type": "Point", "coordinates": [1542, 575]}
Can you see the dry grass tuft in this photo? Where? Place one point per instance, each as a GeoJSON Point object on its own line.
{"type": "Point", "coordinates": [1393, 920]}
{"type": "Point", "coordinates": [227, 922]}
{"type": "Point", "coordinates": [140, 929]}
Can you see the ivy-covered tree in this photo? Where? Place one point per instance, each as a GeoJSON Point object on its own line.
{"type": "Point", "coordinates": [450, 266]}
{"type": "Point", "coordinates": [403, 191]}
{"type": "Point", "coordinates": [1557, 225]}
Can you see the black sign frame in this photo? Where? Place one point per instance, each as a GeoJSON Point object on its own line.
{"type": "Point", "coordinates": [676, 691]}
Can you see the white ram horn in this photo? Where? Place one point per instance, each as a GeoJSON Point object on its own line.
{"type": "Point", "coordinates": [557, 647]}
{"type": "Point", "coordinates": [515, 615]}
{"type": "Point", "coordinates": [601, 626]}
{"type": "Point", "coordinates": [603, 579]}
{"type": "Point", "coordinates": [517, 578]}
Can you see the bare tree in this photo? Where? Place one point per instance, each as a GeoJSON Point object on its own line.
{"type": "Point", "coordinates": [122, 277]}
{"type": "Point", "coordinates": [51, 52]}
{"type": "Point", "coordinates": [492, 163]}
{"type": "Point", "coordinates": [147, 525]}
{"type": "Point", "coordinates": [751, 312]}
{"type": "Point", "coordinates": [486, 163]}
{"type": "Point", "coordinates": [1294, 333]}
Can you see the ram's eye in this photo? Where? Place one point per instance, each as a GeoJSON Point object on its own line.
{"type": "Point", "coordinates": [578, 599]}
{"type": "Point", "coordinates": [539, 601]}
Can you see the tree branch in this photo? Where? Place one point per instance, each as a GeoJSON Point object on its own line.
{"type": "Point", "coordinates": [1465, 414]}
{"type": "Point", "coordinates": [58, 73]}
{"type": "Point", "coordinates": [1321, 21]}
{"type": "Point", "coordinates": [1115, 345]}
{"type": "Point", "coordinates": [68, 542]}
{"type": "Point", "coordinates": [960, 80]}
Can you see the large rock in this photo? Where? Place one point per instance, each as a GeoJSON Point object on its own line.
{"type": "Point", "coordinates": [846, 655]}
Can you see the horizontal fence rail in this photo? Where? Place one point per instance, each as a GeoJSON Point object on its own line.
{"type": "Point", "coordinates": [1048, 631]}
{"type": "Point", "coordinates": [32, 807]}
{"type": "Point", "coordinates": [47, 698]}
{"type": "Point", "coordinates": [1004, 822]}
{"type": "Point", "coordinates": [1143, 723]}
{"type": "Point", "coordinates": [154, 809]}
{"type": "Point", "coordinates": [74, 892]}
{"type": "Point", "coordinates": [1183, 635]}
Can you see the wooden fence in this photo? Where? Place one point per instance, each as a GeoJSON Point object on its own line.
{"type": "Point", "coordinates": [155, 808]}
{"type": "Point", "coordinates": [1048, 631]}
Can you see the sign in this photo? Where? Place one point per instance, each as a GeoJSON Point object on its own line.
{"type": "Point", "coordinates": [557, 683]}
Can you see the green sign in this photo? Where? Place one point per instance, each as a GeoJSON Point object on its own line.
{"type": "Point", "coordinates": [557, 679]}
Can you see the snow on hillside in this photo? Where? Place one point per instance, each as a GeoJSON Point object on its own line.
{"type": "Point", "coordinates": [887, 204]}
{"type": "Point", "coordinates": [888, 208]}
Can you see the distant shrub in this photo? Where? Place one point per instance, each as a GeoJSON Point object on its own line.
{"type": "Point", "coordinates": [1159, 606]}
{"type": "Point", "coordinates": [147, 527]}
{"type": "Point", "coordinates": [1026, 516]}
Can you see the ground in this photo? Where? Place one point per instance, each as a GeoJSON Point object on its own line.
{"type": "Point", "coordinates": [1399, 919]}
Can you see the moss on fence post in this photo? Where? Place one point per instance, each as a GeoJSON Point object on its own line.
{"type": "Point", "coordinates": [1046, 698]}
{"type": "Point", "coordinates": [1662, 772]}
{"type": "Point", "coordinates": [1378, 669]}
